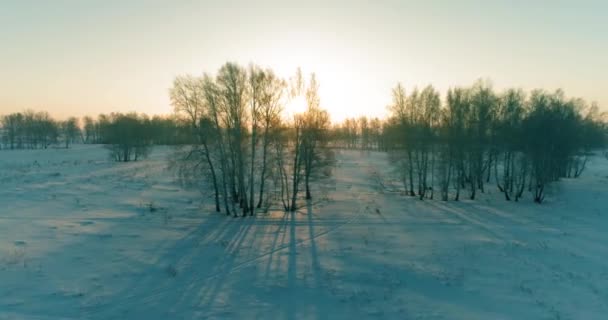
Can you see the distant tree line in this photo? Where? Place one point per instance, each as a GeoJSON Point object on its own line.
{"type": "Point", "coordinates": [128, 136]}
{"type": "Point", "coordinates": [516, 140]}
{"type": "Point", "coordinates": [158, 130]}
{"type": "Point", "coordinates": [358, 133]}
{"type": "Point", "coordinates": [248, 149]}
{"type": "Point", "coordinates": [36, 130]}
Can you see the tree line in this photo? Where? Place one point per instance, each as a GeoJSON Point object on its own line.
{"type": "Point", "coordinates": [238, 139]}
{"type": "Point", "coordinates": [520, 141]}
{"type": "Point", "coordinates": [35, 130]}
{"type": "Point", "coordinates": [358, 133]}
{"type": "Point", "coordinates": [121, 131]}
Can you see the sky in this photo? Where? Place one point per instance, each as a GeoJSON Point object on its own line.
{"type": "Point", "coordinates": [72, 57]}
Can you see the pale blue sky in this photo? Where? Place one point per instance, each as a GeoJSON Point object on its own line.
{"type": "Point", "coordinates": [75, 57]}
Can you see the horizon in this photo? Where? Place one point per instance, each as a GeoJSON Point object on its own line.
{"type": "Point", "coordinates": [75, 59]}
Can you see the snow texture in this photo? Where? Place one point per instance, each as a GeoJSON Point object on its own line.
{"type": "Point", "coordinates": [82, 237]}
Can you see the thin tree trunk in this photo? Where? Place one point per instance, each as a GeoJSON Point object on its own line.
{"type": "Point", "coordinates": [251, 176]}
{"type": "Point", "coordinates": [263, 174]}
{"type": "Point", "coordinates": [411, 173]}
{"type": "Point", "coordinates": [213, 178]}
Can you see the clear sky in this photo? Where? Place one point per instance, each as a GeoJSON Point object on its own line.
{"type": "Point", "coordinates": [73, 57]}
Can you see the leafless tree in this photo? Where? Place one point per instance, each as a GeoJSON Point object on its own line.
{"type": "Point", "coordinates": [69, 130]}
{"type": "Point", "coordinates": [188, 99]}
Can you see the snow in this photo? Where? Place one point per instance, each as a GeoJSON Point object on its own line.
{"type": "Point", "coordinates": [79, 240]}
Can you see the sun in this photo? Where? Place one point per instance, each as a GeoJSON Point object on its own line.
{"type": "Point", "coordinates": [296, 105]}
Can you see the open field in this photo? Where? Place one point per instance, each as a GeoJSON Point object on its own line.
{"type": "Point", "coordinates": [82, 237]}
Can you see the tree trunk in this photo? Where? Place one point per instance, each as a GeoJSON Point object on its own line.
{"type": "Point", "coordinates": [411, 173]}
{"type": "Point", "coordinates": [308, 195]}
{"type": "Point", "coordinates": [263, 174]}
{"type": "Point", "coordinates": [213, 178]}
{"type": "Point", "coordinates": [251, 175]}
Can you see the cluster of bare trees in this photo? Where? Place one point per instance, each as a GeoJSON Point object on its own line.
{"type": "Point", "coordinates": [70, 131]}
{"type": "Point", "coordinates": [358, 133]}
{"type": "Point", "coordinates": [130, 136]}
{"type": "Point", "coordinates": [410, 137]}
{"type": "Point", "coordinates": [522, 141]}
{"type": "Point", "coordinates": [245, 142]}
{"type": "Point", "coordinates": [36, 130]}
{"type": "Point", "coordinates": [159, 130]}
{"type": "Point", "coordinates": [127, 136]}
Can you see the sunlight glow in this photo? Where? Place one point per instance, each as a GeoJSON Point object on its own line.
{"type": "Point", "coordinates": [295, 106]}
{"type": "Point", "coordinates": [71, 67]}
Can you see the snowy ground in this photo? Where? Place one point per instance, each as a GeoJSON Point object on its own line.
{"type": "Point", "coordinates": [78, 241]}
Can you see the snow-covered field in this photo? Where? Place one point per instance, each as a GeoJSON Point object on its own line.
{"type": "Point", "coordinates": [82, 237]}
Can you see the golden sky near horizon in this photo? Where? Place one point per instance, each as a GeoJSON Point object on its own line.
{"type": "Point", "coordinates": [87, 57]}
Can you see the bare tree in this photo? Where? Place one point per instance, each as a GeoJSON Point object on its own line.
{"type": "Point", "coordinates": [401, 111]}
{"type": "Point", "coordinates": [270, 110]}
{"type": "Point", "coordinates": [289, 161]}
{"type": "Point", "coordinates": [231, 80]}
{"type": "Point", "coordinates": [127, 137]}
{"type": "Point", "coordinates": [213, 99]}
{"type": "Point", "coordinates": [70, 131]}
{"type": "Point", "coordinates": [90, 134]}
{"type": "Point", "coordinates": [315, 123]}
{"type": "Point", "coordinates": [257, 81]}
{"type": "Point", "coordinates": [509, 117]}
{"type": "Point", "coordinates": [188, 99]}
